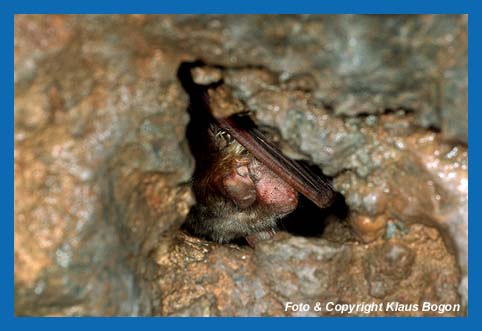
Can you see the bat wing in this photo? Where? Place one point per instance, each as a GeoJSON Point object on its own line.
{"type": "Point", "coordinates": [242, 128]}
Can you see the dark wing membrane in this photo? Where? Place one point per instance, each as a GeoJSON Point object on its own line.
{"type": "Point", "coordinates": [292, 172]}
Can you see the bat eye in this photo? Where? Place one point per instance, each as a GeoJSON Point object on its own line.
{"type": "Point", "coordinates": [243, 171]}
{"type": "Point", "coordinates": [254, 177]}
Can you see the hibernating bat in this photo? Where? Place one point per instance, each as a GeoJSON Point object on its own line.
{"type": "Point", "coordinates": [243, 184]}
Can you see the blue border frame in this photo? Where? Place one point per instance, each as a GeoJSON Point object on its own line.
{"type": "Point", "coordinates": [8, 8]}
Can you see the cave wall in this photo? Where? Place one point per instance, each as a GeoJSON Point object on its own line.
{"type": "Point", "coordinates": [102, 166]}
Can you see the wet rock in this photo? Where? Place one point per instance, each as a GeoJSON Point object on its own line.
{"type": "Point", "coordinates": [362, 64]}
{"type": "Point", "coordinates": [386, 267]}
{"type": "Point", "coordinates": [386, 167]}
{"type": "Point", "coordinates": [368, 229]}
{"type": "Point", "coordinates": [199, 278]}
{"type": "Point", "coordinates": [102, 168]}
{"type": "Point", "coordinates": [89, 129]}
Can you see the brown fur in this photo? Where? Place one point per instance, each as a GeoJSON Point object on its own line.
{"type": "Point", "coordinates": [216, 216]}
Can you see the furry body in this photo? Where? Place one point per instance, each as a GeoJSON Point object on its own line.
{"type": "Point", "coordinates": [236, 195]}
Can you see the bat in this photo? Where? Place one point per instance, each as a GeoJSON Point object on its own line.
{"type": "Point", "coordinates": [243, 183]}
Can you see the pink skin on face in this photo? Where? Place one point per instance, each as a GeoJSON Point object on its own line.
{"type": "Point", "coordinates": [246, 184]}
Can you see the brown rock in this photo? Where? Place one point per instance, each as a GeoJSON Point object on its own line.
{"type": "Point", "coordinates": [102, 168]}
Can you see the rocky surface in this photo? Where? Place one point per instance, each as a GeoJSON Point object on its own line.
{"type": "Point", "coordinates": [202, 279]}
{"type": "Point", "coordinates": [102, 165]}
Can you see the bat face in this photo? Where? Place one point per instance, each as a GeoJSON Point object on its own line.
{"type": "Point", "coordinates": [248, 181]}
{"type": "Point", "coordinates": [245, 181]}
{"type": "Point", "coordinates": [243, 184]}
